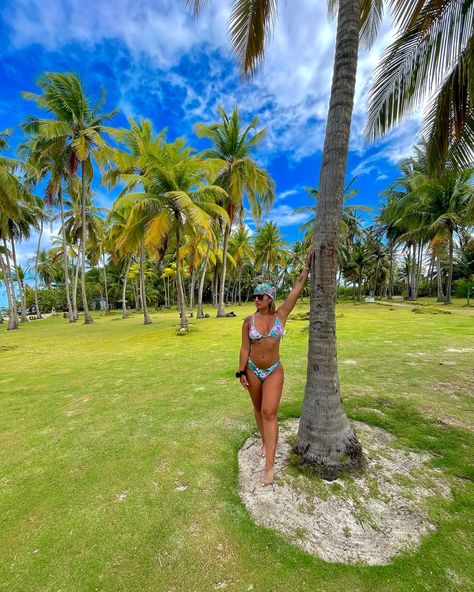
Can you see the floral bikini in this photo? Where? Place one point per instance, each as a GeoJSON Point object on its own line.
{"type": "Point", "coordinates": [277, 331]}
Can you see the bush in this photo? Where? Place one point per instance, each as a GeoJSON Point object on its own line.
{"type": "Point", "coordinates": [460, 288]}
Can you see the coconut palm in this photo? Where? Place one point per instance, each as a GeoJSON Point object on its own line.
{"type": "Point", "coordinates": [349, 222]}
{"type": "Point", "coordinates": [12, 187]}
{"type": "Point", "coordinates": [137, 141]}
{"type": "Point", "coordinates": [75, 133]}
{"type": "Point", "coordinates": [241, 250]}
{"type": "Point", "coordinates": [240, 176]}
{"type": "Point", "coordinates": [117, 223]}
{"type": "Point", "coordinates": [446, 203]}
{"type": "Point", "coordinates": [9, 285]}
{"type": "Point", "coordinates": [325, 437]}
{"type": "Point", "coordinates": [431, 59]}
{"type": "Point", "coordinates": [176, 198]}
{"type": "Point", "coordinates": [270, 251]}
{"type": "Point", "coordinates": [55, 166]}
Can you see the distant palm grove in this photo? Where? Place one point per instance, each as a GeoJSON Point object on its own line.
{"type": "Point", "coordinates": [175, 235]}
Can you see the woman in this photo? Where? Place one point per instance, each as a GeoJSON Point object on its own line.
{"type": "Point", "coordinates": [261, 372]}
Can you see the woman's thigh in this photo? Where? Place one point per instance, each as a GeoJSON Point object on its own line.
{"type": "Point", "coordinates": [272, 388]}
{"type": "Point", "coordinates": [255, 388]}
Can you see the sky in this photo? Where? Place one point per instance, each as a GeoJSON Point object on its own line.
{"type": "Point", "coordinates": [156, 61]}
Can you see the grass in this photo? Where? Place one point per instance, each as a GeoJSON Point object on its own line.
{"type": "Point", "coordinates": [119, 452]}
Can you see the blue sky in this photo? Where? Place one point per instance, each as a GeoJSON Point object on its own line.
{"type": "Point", "coordinates": [155, 61]}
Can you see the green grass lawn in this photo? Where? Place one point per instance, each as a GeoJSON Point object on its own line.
{"type": "Point", "coordinates": [119, 452]}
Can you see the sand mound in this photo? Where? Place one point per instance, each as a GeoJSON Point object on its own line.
{"type": "Point", "coordinates": [367, 519]}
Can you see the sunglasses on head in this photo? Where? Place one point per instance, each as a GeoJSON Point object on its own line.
{"type": "Point", "coordinates": [258, 297]}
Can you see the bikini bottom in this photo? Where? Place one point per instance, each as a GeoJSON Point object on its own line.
{"type": "Point", "coordinates": [260, 373]}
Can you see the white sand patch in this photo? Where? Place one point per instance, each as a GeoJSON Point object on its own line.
{"type": "Point", "coordinates": [462, 350]}
{"type": "Point", "coordinates": [350, 362]}
{"type": "Point", "coordinates": [367, 519]}
{"type": "Point", "coordinates": [373, 410]}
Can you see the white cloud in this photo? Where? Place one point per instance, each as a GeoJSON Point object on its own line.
{"type": "Point", "coordinates": [26, 250]}
{"type": "Point", "coordinates": [283, 215]}
{"type": "Point", "coordinates": [284, 194]}
{"type": "Point", "coordinates": [290, 92]}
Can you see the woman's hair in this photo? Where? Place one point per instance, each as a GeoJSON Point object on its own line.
{"type": "Point", "coordinates": [271, 306]}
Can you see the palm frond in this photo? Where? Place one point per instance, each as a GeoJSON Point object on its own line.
{"type": "Point", "coordinates": [250, 26]}
{"type": "Point", "coordinates": [418, 60]}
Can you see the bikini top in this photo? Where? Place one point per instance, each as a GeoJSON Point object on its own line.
{"type": "Point", "coordinates": [276, 331]}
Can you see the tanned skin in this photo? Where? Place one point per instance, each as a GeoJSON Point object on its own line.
{"type": "Point", "coordinates": [264, 353]}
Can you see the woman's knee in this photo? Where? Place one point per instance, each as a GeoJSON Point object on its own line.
{"type": "Point", "coordinates": [269, 414]}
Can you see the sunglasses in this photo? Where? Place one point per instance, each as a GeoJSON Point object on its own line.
{"type": "Point", "coordinates": [258, 297]}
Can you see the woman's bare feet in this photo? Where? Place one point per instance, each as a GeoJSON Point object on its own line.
{"type": "Point", "coordinates": [261, 450]}
{"type": "Point", "coordinates": [268, 474]}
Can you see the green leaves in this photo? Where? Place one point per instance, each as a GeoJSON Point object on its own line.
{"type": "Point", "coordinates": [431, 57]}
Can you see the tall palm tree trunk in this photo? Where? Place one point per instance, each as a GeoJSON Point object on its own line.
{"type": "Point", "coordinates": [165, 296]}
{"type": "Point", "coordinates": [136, 296]}
{"type": "Point", "coordinates": [439, 279]}
{"type": "Point", "coordinates": [14, 309]}
{"type": "Point", "coordinates": [181, 304]}
{"type": "Point", "coordinates": [21, 291]}
{"type": "Point", "coordinates": [200, 313]}
{"type": "Point", "coordinates": [390, 273]}
{"type": "Point", "coordinates": [38, 311]}
{"type": "Point", "coordinates": [72, 316]}
{"type": "Point", "coordinates": [449, 283]}
{"type": "Point", "coordinates": [87, 317]}
{"type": "Point", "coordinates": [105, 283]}
{"type": "Point", "coordinates": [192, 284]}
{"type": "Point", "coordinates": [359, 285]}
{"type": "Point", "coordinates": [240, 286]}
{"type": "Point", "coordinates": [221, 304]}
{"type": "Point", "coordinates": [146, 316]}
{"type": "Point", "coordinates": [214, 288]}
{"type": "Point", "coordinates": [326, 439]}
{"type": "Point", "coordinates": [12, 321]}
{"type": "Point", "coordinates": [124, 291]}
{"type": "Point", "coordinates": [75, 312]}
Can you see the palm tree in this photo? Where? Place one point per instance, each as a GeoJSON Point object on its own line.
{"type": "Point", "coordinates": [12, 188]}
{"type": "Point", "coordinates": [240, 176]}
{"type": "Point", "coordinates": [447, 201]}
{"type": "Point", "coordinates": [270, 250]}
{"type": "Point", "coordinates": [56, 166]}
{"type": "Point", "coordinates": [431, 58]}
{"type": "Point", "coordinates": [241, 250]}
{"type": "Point", "coordinates": [349, 222]}
{"type": "Point", "coordinates": [175, 199]}
{"type": "Point", "coordinates": [325, 439]}
{"type": "Point", "coordinates": [9, 286]}
{"type": "Point", "coordinates": [76, 132]}
{"type": "Point", "coordinates": [137, 140]}
{"type": "Point", "coordinates": [41, 217]}
{"type": "Point", "coordinates": [117, 223]}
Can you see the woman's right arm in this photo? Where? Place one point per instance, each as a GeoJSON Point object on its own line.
{"type": "Point", "coordinates": [244, 352]}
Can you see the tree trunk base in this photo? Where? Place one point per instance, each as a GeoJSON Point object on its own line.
{"type": "Point", "coordinates": [88, 320]}
{"type": "Point", "coordinates": [148, 321]}
{"type": "Point", "coordinates": [72, 319]}
{"type": "Point", "coordinates": [350, 457]}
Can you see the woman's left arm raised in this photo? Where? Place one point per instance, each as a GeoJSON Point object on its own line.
{"type": "Point", "coordinates": [287, 306]}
